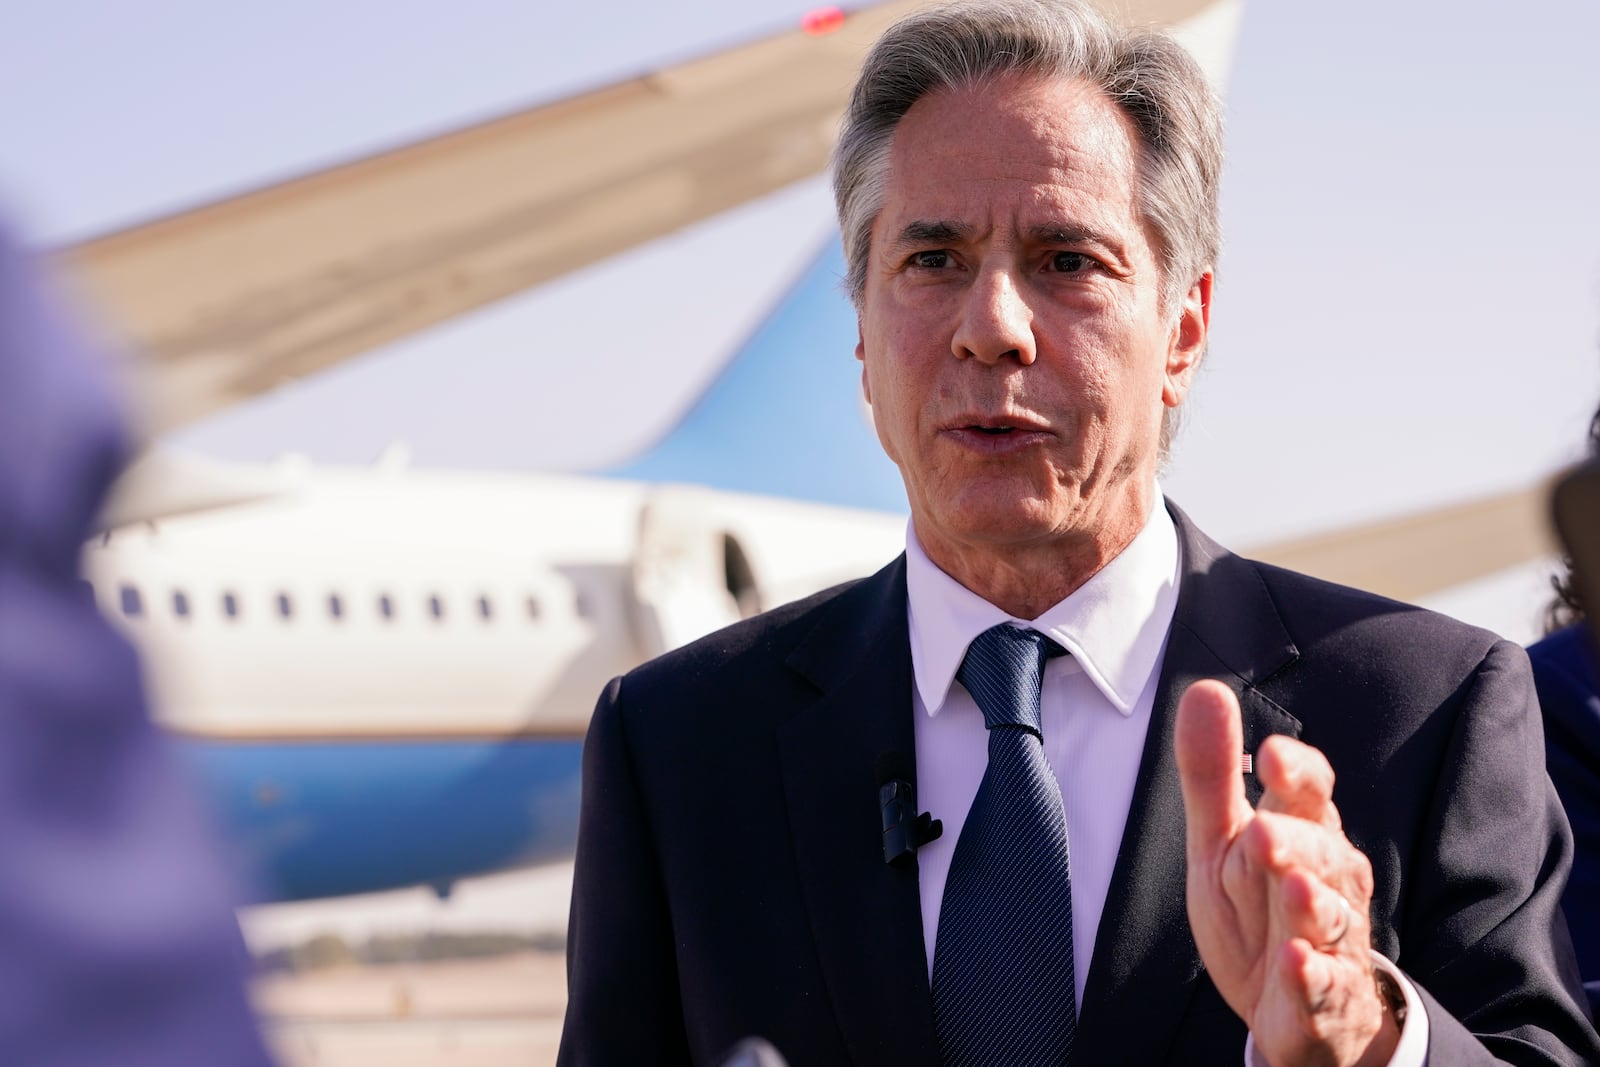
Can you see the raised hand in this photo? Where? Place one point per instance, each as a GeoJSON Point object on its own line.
{"type": "Point", "coordinates": [1278, 897]}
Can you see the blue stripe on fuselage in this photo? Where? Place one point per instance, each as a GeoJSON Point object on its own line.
{"type": "Point", "coordinates": [326, 818]}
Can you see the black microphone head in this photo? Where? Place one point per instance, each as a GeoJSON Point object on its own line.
{"type": "Point", "coordinates": [894, 766]}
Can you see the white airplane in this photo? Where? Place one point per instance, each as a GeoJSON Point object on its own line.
{"type": "Point", "coordinates": [383, 674]}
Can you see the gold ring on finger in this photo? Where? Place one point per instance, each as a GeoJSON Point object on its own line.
{"type": "Point", "coordinates": [1345, 911]}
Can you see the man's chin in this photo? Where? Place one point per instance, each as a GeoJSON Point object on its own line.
{"type": "Point", "coordinates": [998, 521]}
{"type": "Point", "coordinates": [1009, 518]}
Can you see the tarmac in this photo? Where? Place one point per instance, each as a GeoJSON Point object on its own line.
{"type": "Point", "coordinates": [503, 1011]}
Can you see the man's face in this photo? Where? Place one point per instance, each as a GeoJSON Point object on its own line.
{"type": "Point", "coordinates": [1014, 351]}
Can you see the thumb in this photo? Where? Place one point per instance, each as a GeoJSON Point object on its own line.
{"type": "Point", "coordinates": [1209, 740]}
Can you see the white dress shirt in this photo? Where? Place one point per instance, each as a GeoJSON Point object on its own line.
{"type": "Point", "coordinates": [1095, 709]}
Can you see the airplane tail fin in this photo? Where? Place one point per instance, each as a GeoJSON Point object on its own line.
{"type": "Point", "coordinates": [785, 416]}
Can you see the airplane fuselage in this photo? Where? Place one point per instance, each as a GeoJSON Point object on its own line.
{"type": "Point", "coordinates": [383, 678]}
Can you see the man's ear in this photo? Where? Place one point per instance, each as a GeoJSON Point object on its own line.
{"type": "Point", "coordinates": [1188, 342]}
{"type": "Point", "coordinates": [861, 354]}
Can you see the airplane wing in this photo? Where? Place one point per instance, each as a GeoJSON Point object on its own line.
{"type": "Point", "coordinates": [235, 298]}
{"type": "Point", "coordinates": [1413, 556]}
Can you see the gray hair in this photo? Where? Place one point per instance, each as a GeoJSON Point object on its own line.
{"type": "Point", "coordinates": [1148, 75]}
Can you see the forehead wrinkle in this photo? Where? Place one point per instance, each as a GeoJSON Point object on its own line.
{"type": "Point", "coordinates": [1072, 130]}
{"type": "Point", "coordinates": [1065, 188]}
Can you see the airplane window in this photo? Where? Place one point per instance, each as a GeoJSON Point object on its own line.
{"type": "Point", "coordinates": [180, 603]}
{"type": "Point", "coordinates": [335, 606]}
{"type": "Point", "coordinates": [436, 607]}
{"type": "Point", "coordinates": [485, 608]}
{"type": "Point", "coordinates": [285, 606]}
{"type": "Point", "coordinates": [533, 607]}
{"type": "Point", "coordinates": [132, 603]}
{"type": "Point", "coordinates": [230, 605]}
{"type": "Point", "coordinates": [386, 606]}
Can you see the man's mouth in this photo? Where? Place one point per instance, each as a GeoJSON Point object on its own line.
{"type": "Point", "coordinates": [991, 436]}
{"type": "Point", "coordinates": [998, 427]}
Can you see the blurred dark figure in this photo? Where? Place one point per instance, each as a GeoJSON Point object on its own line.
{"type": "Point", "coordinates": [1565, 671]}
{"type": "Point", "coordinates": [118, 942]}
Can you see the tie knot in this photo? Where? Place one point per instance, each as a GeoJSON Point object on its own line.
{"type": "Point", "coordinates": [1002, 670]}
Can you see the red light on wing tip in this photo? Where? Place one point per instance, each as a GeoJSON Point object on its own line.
{"type": "Point", "coordinates": [822, 20]}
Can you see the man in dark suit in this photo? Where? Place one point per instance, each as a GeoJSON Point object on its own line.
{"type": "Point", "coordinates": [1569, 696]}
{"type": "Point", "coordinates": [1144, 853]}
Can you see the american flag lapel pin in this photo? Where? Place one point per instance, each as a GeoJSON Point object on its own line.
{"type": "Point", "coordinates": [1247, 763]}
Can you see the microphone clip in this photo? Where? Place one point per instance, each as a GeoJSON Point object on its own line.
{"type": "Point", "coordinates": [904, 831]}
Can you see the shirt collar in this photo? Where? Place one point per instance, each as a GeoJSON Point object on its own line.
{"type": "Point", "coordinates": [1115, 624]}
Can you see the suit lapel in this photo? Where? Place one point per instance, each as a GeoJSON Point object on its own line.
{"type": "Point", "coordinates": [1145, 963]}
{"type": "Point", "coordinates": [865, 916]}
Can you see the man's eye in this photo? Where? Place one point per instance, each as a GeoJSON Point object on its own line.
{"type": "Point", "coordinates": [936, 260]}
{"type": "Point", "coordinates": [1070, 262]}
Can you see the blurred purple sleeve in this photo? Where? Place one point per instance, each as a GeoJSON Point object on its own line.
{"type": "Point", "coordinates": [118, 942]}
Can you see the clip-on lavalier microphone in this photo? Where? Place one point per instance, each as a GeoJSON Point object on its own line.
{"type": "Point", "coordinates": [904, 831]}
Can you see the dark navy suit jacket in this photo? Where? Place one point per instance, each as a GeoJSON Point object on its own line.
{"type": "Point", "coordinates": [118, 943]}
{"type": "Point", "coordinates": [730, 875]}
{"type": "Point", "coordinates": [1569, 694]}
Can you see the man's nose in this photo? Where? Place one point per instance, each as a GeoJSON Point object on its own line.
{"type": "Point", "coordinates": [996, 322]}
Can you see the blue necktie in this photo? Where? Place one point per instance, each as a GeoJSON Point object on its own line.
{"type": "Point", "coordinates": [1002, 962]}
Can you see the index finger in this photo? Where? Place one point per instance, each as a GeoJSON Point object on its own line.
{"type": "Point", "coordinates": [1208, 740]}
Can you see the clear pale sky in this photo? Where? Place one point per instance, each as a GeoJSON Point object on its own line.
{"type": "Point", "coordinates": [1409, 304]}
